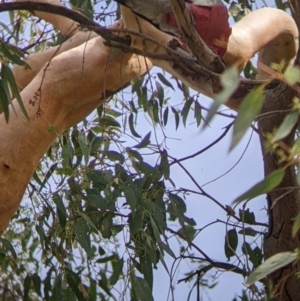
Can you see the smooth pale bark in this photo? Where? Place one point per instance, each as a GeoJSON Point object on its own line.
{"type": "Point", "coordinates": [75, 83]}
{"type": "Point", "coordinates": [83, 72]}
{"type": "Point", "coordinates": [269, 31]}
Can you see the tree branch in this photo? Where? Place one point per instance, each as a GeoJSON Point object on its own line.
{"type": "Point", "coordinates": [203, 54]}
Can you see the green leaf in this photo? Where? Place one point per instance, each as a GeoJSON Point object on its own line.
{"type": "Point", "coordinates": [185, 89]}
{"type": "Point", "coordinates": [67, 295]}
{"type": "Point", "coordinates": [143, 98]}
{"type": "Point", "coordinates": [145, 141]}
{"type": "Point", "coordinates": [256, 257]}
{"type": "Point", "coordinates": [136, 222]}
{"type": "Point", "coordinates": [248, 231]}
{"type": "Point", "coordinates": [103, 282]}
{"type": "Point", "coordinates": [131, 126]}
{"type": "Point", "coordinates": [129, 195]}
{"type": "Point", "coordinates": [5, 246]}
{"type": "Point", "coordinates": [80, 230]}
{"type": "Point", "coordinates": [292, 75]}
{"type": "Point", "coordinates": [134, 154]}
{"type": "Point", "coordinates": [84, 147]}
{"type": "Point", "coordinates": [100, 111]}
{"type": "Point", "coordinates": [106, 227]}
{"type": "Point", "coordinates": [61, 210]}
{"type": "Point", "coordinates": [121, 173]}
{"type": "Point", "coordinates": [176, 118]}
{"type": "Point", "coordinates": [176, 208]}
{"type": "Point", "coordinates": [59, 203]}
{"type": "Point", "coordinates": [165, 81]}
{"type": "Point", "coordinates": [246, 249]}
{"type": "Point", "coordinates": [153, 110]}
{"type": "Point", "coordinates": [155, 229]}
{"type": "Point", "coordinates": [281, 4]}
{"type": "Point", "coordinates": [231, 242]}
{"type": "Point", "coordinates": [186, 109]}
{"type": "Point", "coordinates": [96, 200]}
{"type": "Point", "coordinates": [36, 279]}
{"type": "Point", "coordinates": [116, 229]}
{"type": "Point", "coordinates": [197, 112]}
{"type": "Point", "coordinates": [265, 186]}
{"type": "Point", "coordinates": [98, 176]}
{"type": "Point", "coordinates": [229, 81]}
{"type": "Point", "coordinates": [74, 282]}
{"type": "Point", "coordinates": [188, 233]}
{"type": "Point", "coordinates": [108, 121]}
{"type": "Point", "coordinates": [27, 282]}
{"type": "Point", "coordinates": [249, 70]}
{"type": "Point", "coordinates": [287, 125]}
{"type": "Point", "coordinates": [48, 175]}
{"type": "Point", "coordinates": [296, 225]}
{"type": "Point", "coordinates": [160, 93]}
{"type": "Point", "coordinates": [106, 259]}
{"type": "Point", "coordinates": [178, 202]}
{"type": "Point", "coordinates": [136, 84]}
{"type": "Point", "coordinates": [113, 112]}
{"type": "Point", "coordinates": [4, 101]}
{"type": "Point", "coordinates": [246, 216]}
{"type": "Point", "coordinates": [166, 247]}
{"type": "Point", "coordinates": [12, 53]}
{"type": "Point", "coordinates": [164, 166]}
{"type": "Point", "coordinates": [66, 154]}
{"type": "Point", "coordinates": [117, 264]}
{"type": "Point", "coordinates": [115, 156]}
{"type": "Point", "coordinates": [272, 264]}
{"type": "Point", "coordinates": [132, 106]}
{"type": "Point", "coordinates": [146, 169]}
{"type": "Point", "coordinates": [88, 220]}
{"type": "Point", "coordinates": [250, 107]}
{"type": "Point", "coordinates": [7, 75]}
{"type": "Point", "coordinates": [166, 114]}
{"type": "Point", "coordinates": [142, 289]}
{"type": "Point", "coordinates": [146, 268]}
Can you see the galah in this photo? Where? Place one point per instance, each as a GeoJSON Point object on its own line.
{"type": "Point", "coordinates": [210, 19]}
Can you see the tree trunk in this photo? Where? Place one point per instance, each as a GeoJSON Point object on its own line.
{"type": "Point", "coordinates": [283, 202]}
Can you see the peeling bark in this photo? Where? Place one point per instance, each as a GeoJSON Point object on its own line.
{"type": "Point", "coordinates": [283, 202]}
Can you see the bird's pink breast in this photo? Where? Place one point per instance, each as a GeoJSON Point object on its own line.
{"type": "Point", "coordinates": [212, 25]}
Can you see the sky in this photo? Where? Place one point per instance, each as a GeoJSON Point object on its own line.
{"type": "Point", "coordinates": [207, 168]}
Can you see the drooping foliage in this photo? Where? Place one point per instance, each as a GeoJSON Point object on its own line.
{"type": "Point", "coordinates": [105, 201]}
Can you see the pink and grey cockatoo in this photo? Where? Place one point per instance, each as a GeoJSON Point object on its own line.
{"type": "Point", "coordinates": [210, 19]}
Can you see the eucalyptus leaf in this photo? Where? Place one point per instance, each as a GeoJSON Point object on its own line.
{"type": "Point", "coordinates": [142, 289]}
{"type": "Point", "coordinates": [163, 79]}
{"type": "Point", "coordinates": [287, 125]}
{"type": "Point", "coordinates": [249, 109]}
{"type": "Point", "coordinates": [264, 186]}
{"type": "Point", "coordinates": [272, 264]}
{"type": "Point", "coordinates": [229, 81]}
